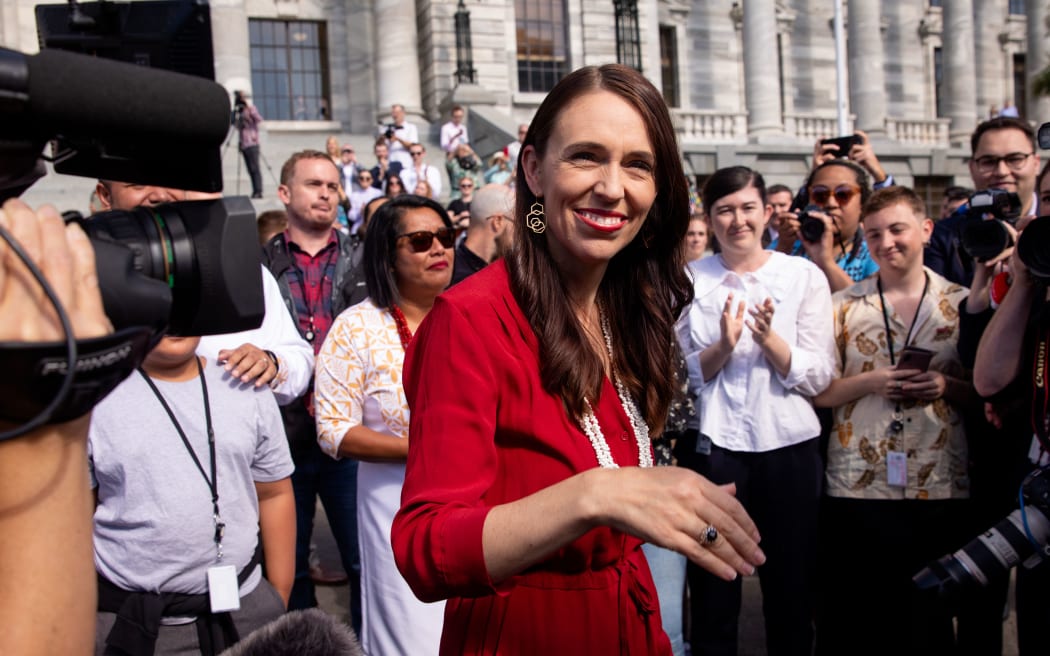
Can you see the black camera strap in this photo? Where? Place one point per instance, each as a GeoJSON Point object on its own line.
{"type": "Point", "coordinates": [1041, 386]}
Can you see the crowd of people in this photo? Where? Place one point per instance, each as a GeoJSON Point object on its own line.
{"type": "Point", "coordinates": [540, 416]}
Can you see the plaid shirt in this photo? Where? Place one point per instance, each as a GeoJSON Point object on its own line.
{"type": "Point", "coordinates": [310, 283]}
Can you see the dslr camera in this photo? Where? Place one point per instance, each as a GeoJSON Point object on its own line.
{"type": "Point", "coordinates": [984, 235]}
{"type": "Point", "coordinates": [388, 130]}
{"type": "Point", "coordinates": [811, 227]}
{"type": "Point", "coordinates": [186, 268]}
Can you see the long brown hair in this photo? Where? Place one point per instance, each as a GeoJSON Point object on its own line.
{"type": "Point", "coordinates": [645, 287]}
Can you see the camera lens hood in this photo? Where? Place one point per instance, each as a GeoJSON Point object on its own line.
{"type": "Point", "coordinates": [1033, 247]}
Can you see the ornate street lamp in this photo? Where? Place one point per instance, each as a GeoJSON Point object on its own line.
{"type": "Point", "coordinates": [465, 72]}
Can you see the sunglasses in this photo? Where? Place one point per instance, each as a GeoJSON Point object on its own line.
{"type": "Point", "coordinates": [421, 240]}
{"type": "Point", "coordinates": [415, 152]}
{"type": "Point", "coordinates": [843, 193]}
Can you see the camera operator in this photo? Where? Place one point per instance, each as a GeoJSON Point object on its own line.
{"type": "Point", "coordinates": [247, 119]}
{"type": "Point", "coordinates": [1004, 373]}
{"type": "Point", "coordinates": [828, 231]}
{"type": "Point", "coordinates": [47, 577]}
{"type": "Point", "coordinates": [1003, 157]}
{"type": "Point", "coordinates": [273, 354]}
{"type": "Point", "coordinates": [399, 135]}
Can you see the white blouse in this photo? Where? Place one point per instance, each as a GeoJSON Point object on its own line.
{"type": "Point", "coordinates": [748, 405]}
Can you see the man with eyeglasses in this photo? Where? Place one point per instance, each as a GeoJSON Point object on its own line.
{"type": "Point", "coordinates": [490, 234]}
{"type": "Point", "coordinates": [318, 270]}
{"type": "Point", "coordinates": [997, 326]}
{"type": "Point", "coordinates": [420, 170]}
{"type": "Point", "coordinates": [1003, 157]}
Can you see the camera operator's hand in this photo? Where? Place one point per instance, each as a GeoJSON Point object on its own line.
{"type": "Point", "coordinates": [822, 252]}
{"type": "Point", "coordinates": [788, 227]}
{"type": "Point", "coordinates": [249, 363]}
{"type": "Point", "coordinates": [66, 259]}
{"type": "Point", "coordinates": [47, 577]}
{"type": "Point", "coordinates": [862, 153]}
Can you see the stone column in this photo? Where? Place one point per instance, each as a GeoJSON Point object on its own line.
{"type": "Point", "coordinates": [1037, 58]}
{"type": "Point", "coordinates": [867, 79]}
{"type": "Point", "coordinates": [959, 69]}
{"type": "Point", "coordinates": [396, 56]}
{"type": "Point", "coordinates": [229, 39]}
{"type": "Point", "coordinates": [761, 72]}
{"type": "Point", "coordinates": [990, 59]}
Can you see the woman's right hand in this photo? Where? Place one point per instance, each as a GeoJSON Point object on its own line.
{"type": "Point", "coordinates": [732, 325]}
{"type": "Point", "coordinates": [672, 507]}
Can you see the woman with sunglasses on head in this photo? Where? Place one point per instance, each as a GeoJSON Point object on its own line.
{"type": "Point", "coordinates": [758, 345]}
{"type": "Point", "coordinates": [536, 384]}
{"type": "Point", "coordinates": [837, 189]}
{"type": "Point", "coordinates": [361, 411]}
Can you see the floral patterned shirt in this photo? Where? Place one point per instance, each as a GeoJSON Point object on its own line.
{"type": "Point", "coordinates": [932, 439]}
{"type": "Point", "coordinates": [358, 378]}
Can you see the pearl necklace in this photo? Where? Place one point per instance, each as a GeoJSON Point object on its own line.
{"type": "Point", "coordinates": [589, 423]}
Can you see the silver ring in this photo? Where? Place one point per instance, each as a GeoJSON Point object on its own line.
{"type": "Point", "coordinates": [709, 535]}
{"type": "Point", "coordinates": [900, 386]}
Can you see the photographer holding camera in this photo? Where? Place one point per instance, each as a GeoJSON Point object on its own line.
{"type": "Point", "coordinates": [247, 119]}
{"type": "Point", "coordinates": [828, 230]}
{"type": "Point", "coordinates": [399, 135]}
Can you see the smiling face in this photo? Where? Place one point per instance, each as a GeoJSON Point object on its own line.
{"type": "Point", "coordinates": [421, 276]}
{"type": "Point", "coordinates": [696, 239]}
{"type": "Point", "coordinates": [595, 180]}
{"type": "Point", "coordinates": [846, 215]}
{"type": "Point", "coordinates": [895, 236]}
{"type": "Point", "coordinates": [990, 171]}
{"type": "Point", "coordinates": [738, 221]}
{"type": "Point", "coordinates": [311, 195]}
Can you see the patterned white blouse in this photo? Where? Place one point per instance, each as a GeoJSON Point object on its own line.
{"type": "Point", "coordinates": [358, 377]}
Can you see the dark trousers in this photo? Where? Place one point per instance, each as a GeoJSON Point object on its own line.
{"type": "Point", "coordinates": [780, 489]}
{"type": "Point", "coordinates": [335, 482]}
{"type": "Point", "coordinates": [869, 551]}
{"type": "Point", "coordinates": [251, 162]}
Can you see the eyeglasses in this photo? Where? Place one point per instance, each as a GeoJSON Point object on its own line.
{"type": "Point", "coordinates": [466, 185]}
{"type": "Point", "coordinates": [844, 193]}
{"type": "Point", "coordinates": [365, 178]}
{"type": "Point", "coordinates": [421, 240]}
{"type": "Point", "coordinates": [415, 152]}
{"type": "Point", "coordinates": [1014, 161]}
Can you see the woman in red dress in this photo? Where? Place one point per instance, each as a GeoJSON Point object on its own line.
{"type": "Point", "coordinates": [535, 385]}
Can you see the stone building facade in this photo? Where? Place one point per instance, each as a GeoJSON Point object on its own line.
{"type": "Point", "coordinates": [749, 81]}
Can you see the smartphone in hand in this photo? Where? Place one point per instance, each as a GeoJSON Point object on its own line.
{"type": "Point", "coordinates": [843, 143]}
{"type": "Point", "coordinates": [915, 357]}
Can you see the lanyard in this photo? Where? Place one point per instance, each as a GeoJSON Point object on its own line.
{"type": "Point", "coordinates": [897, 423]}
{"type": "Point", "coordinates": [886, 316]}
{"type": "Point", "coordinates": [213, 483]}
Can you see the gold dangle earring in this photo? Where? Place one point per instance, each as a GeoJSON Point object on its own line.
{"type": "Point", "coordinates": [535, 219]}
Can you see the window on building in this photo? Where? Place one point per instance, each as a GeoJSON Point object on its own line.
{"type": "Point", "coordinates": [1017, 7]}
{"type": "Point", "coordinates": [628, 41]}
{"type": "Point", "coordinates": [935, 3]}
{"type": "Point", "coordinates": [289, 69]}
{"type": "Point", "coordinates": [669, 65]}
{"type": "Point", "coordinates": [543, 44]}
{"type": "Point", "coordinates": [930, 189]}
{"type": "Point", "coordinates": [1020, 84]}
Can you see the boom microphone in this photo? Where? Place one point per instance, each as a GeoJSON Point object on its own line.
{"type": "Point", "coordinates": [97, 112]}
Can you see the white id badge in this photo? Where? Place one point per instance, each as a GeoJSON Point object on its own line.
{"type": "Point", "coordinates": [223, 589]}
{"type": "Point", "coordinates": [896, 468]}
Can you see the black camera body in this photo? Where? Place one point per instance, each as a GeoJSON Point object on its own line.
{"type": "Point", "coordinates": [388, 130]}
{"type": "Point", "coordinates": [984, 236]}
{"type": "Point", "coordinates": [811, 227]}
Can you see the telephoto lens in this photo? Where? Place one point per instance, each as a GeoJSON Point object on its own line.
{"type": "Point", "coordinates": [1033, 247]}
{"type": "Point", "coordinates": [1021, 536]}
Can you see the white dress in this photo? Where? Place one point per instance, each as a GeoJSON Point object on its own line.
{"type": "Point", "coordinates": [358, 382]}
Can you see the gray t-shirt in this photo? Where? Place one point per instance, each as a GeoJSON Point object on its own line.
{"type": "Point", "coordinates": [153, 528]}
